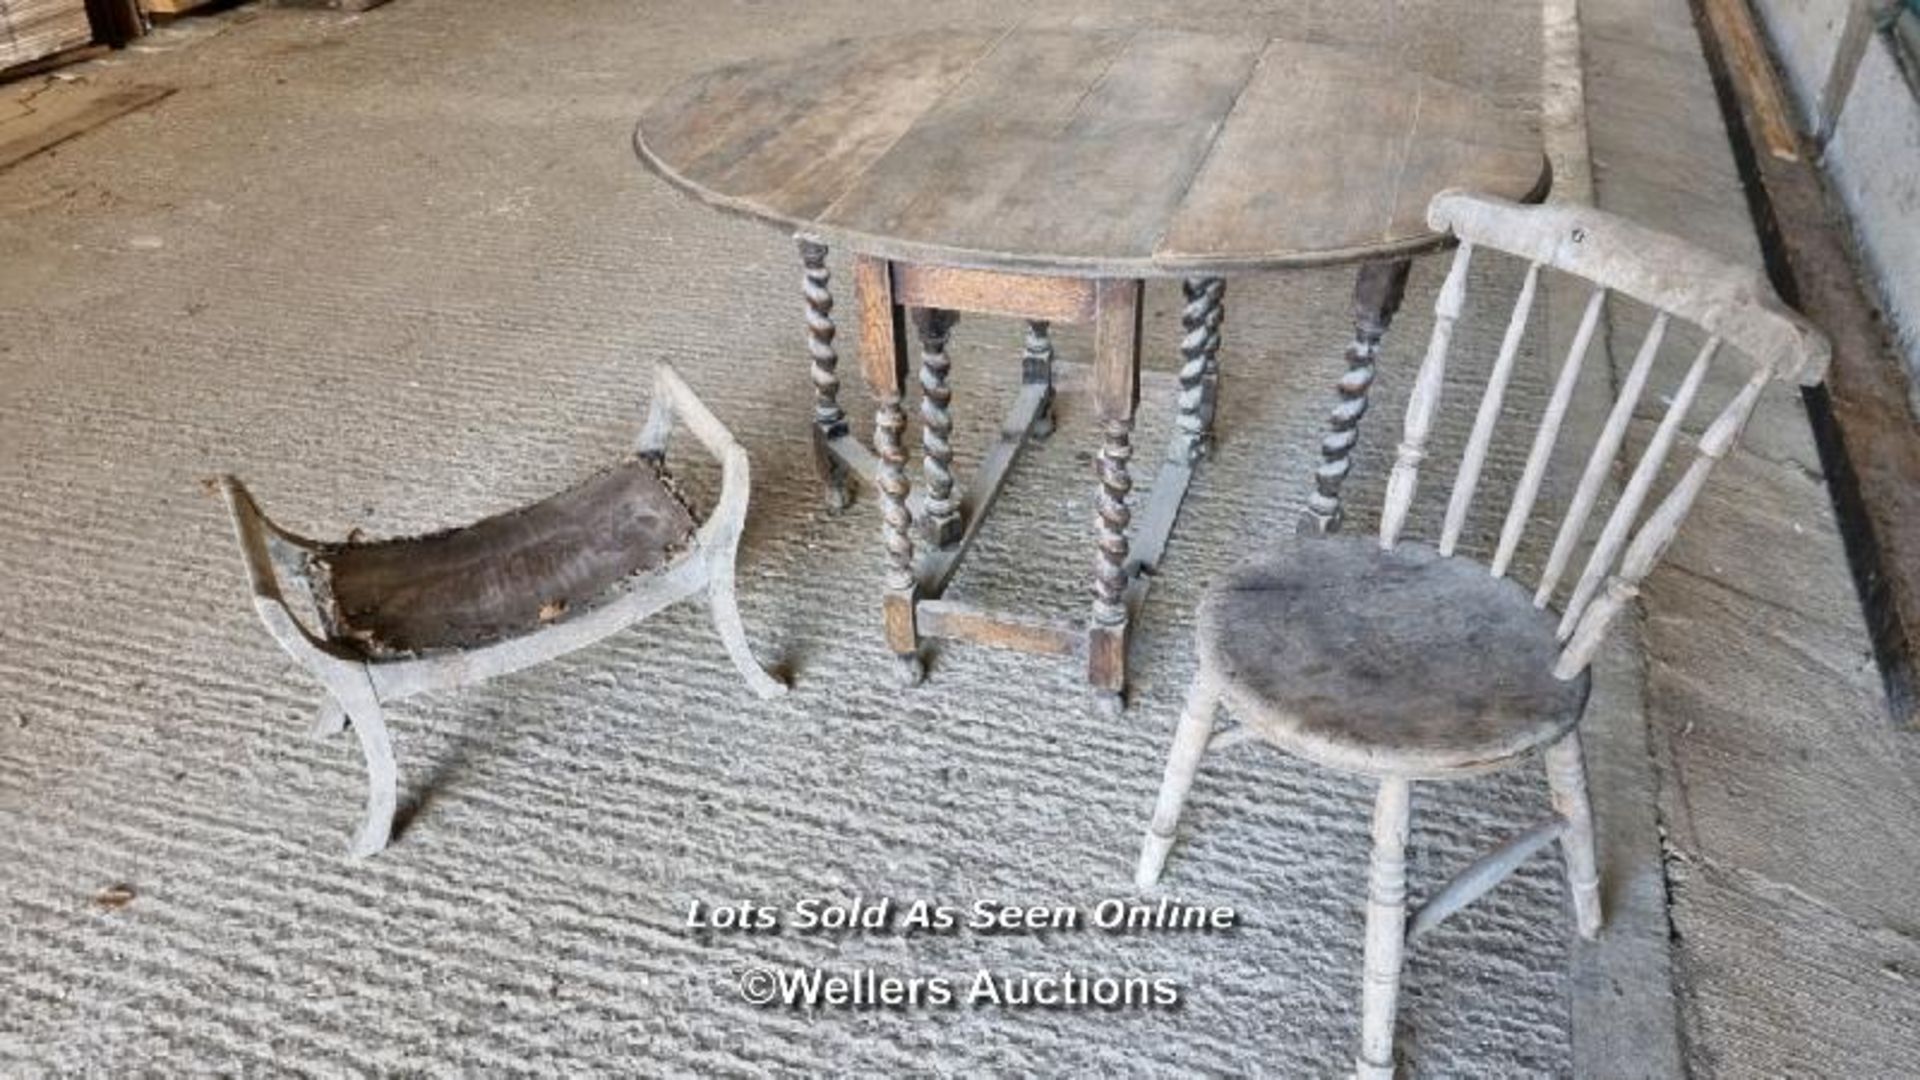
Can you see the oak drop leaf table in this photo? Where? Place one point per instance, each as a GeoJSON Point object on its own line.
{"type": "Point", "coordinates": [1045, 174]}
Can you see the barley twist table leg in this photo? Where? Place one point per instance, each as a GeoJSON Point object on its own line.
{"type": "Point", "coordinates": [889, 431]}
{"type": "Point", "coordinates": [829, 422]}
{"type": "Point", "coordinates": [1036, 366]}
{"type": "Point", "coordinates": [1200, 369]}
{"type": "Point", "coordinates": [1116, 482]}
{"type": "Point", "coordinates": [1376, 297]}
{"type": "Point", "coordinates": [942, 519]}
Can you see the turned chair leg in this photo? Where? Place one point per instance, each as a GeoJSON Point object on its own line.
{"type": "Point", "coordinates": [1386, 929]}
{"type": "Point", "coordinates": [1189, 746]}
{"type": "Point", "coordinates": [1567, 776]}
{"type": "Point", "coordinates": [725, 604]}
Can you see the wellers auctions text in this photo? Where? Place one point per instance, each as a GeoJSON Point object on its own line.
{"type": "Point", "coordinates": [812, 988]}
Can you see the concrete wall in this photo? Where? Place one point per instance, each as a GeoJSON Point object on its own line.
{"type": "Point", "coordinates": [1860, 105]}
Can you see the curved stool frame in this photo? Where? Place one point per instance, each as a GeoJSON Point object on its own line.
{"type": "Point", "coordinates": [359, 686]}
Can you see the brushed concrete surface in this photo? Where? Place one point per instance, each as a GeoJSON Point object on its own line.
{"type": "Point", "coordinates": [401, 270]}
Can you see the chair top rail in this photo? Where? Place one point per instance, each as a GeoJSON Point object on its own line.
{"type": "Point", "coordinates": [1730, 301]}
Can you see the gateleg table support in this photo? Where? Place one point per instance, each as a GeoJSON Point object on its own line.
{"type": "Point", "coordinates": [928, 533]}
{"type": "Point", "coordinates": [883, 361]}
{"type": "Point", "coordinates": [837, 455]}
{"type": "Point", "coordinates": [1116, 393]}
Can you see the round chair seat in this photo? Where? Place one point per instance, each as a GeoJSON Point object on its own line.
{"type": "Point", "coordinates": [1397, 662]}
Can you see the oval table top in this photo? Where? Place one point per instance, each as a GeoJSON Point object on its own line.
{"type": "Point", "coordinates": [1105, 153]}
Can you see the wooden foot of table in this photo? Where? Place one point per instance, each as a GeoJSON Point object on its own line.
{"type": "Point", "coordinates": [1376, 297]}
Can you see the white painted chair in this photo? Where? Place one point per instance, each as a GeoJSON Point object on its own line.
{"type": "Point", "coordinates": [1406, 661]}
{"type": "Point", "coordinates": [404, 616]}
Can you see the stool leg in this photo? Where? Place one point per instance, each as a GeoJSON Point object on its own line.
{"type": "Point", "coordinates": [361, 706]}
{"type": "Point", "coordinates": [1189, 745]}
{"type": "Point", "coordinates": [331, 719]}
{"type": "Point", "coordinates": [725, 605]}
{"type": "Point", "coordinates": [1386, 929]}
{"type": "Point", "coordinates": [1376, 297]}
{"type": "Point", "coordinates": [829, 421]}
{"type": "Point", "coordinates": [1567, 776]}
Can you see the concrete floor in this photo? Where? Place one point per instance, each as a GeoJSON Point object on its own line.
{"type": "Point", "coordinates": [399, 270]}
{"type": "Point", "coordinates": [1790, 805]}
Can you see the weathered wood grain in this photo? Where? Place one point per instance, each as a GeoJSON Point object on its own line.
{"type": "Point", "coordinates": [968, 156]}
{"type": "Point", "coordinates": [63, 116]}
{"type": "Point", "coordinates": [1467, 479]}
{"type": "Point", "coordinates": [1547, 434]}
{"type": "Point", "coordinates": [941, 521]}
{"type": "Point", "coordinates": [1386, 947]}
{"type": "Point", "coordinates": [1200, 318]}
{"type": "Point", "coordinates": [1097, 152]}
{"type": "Point", "coordinates": [782, 139]}
{"type": "Point", "coordinates": [1088, 161]}
{"type": "Point", "coordinates": [1331, 155]}
{"type": "Point", "coordinates": [1661, 271]}
{"type": "Point", "coordinates": [1424, 401]}
{"type": "Point", "coordinates": [1116, 391]}
{"type": "Point", "coordinates": [1000, 630]}
{"type": "Point", "coordinates": [989, 292]}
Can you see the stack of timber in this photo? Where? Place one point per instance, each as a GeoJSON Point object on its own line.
{"type": "Point", "coordinates": [34, 29]}
{"type": "Point", "coordinates": [166, 9]}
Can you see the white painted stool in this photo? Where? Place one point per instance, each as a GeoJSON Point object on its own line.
{"type": "Point", "coordinates": [400, 617]}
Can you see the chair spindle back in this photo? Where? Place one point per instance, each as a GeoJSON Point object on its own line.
{"type": "Point", "coordinates": [1731, 303]}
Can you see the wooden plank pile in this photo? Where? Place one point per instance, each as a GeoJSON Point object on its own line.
{"type": "Point", "coordinates": [32, 29]}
